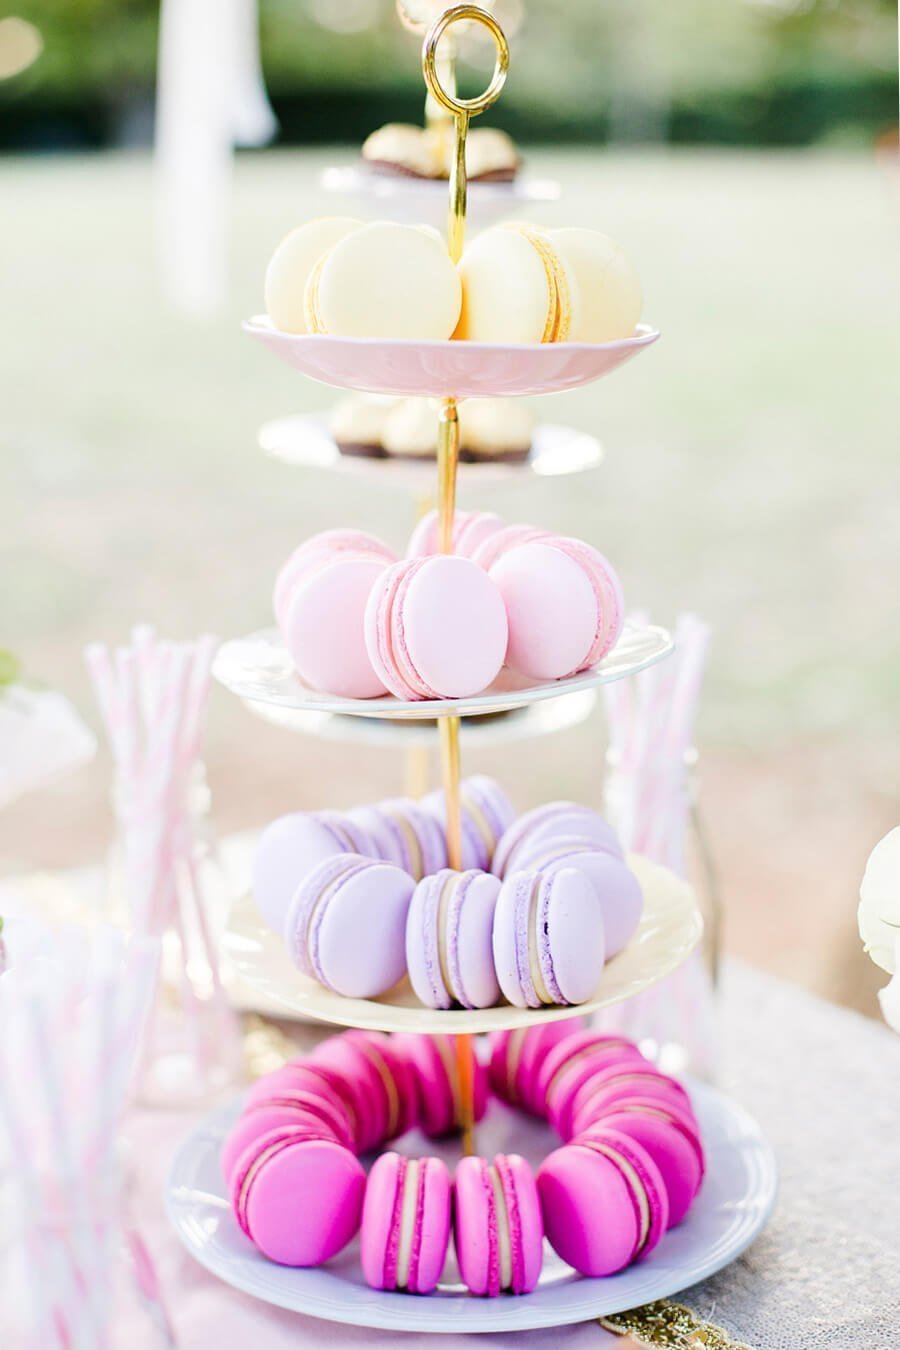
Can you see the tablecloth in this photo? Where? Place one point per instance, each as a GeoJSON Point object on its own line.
{"type": "Point", "coordinates": [823, 1082]}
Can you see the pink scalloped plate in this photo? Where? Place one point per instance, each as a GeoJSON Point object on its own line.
{"type": "Point", "coordinates": [449, 369]}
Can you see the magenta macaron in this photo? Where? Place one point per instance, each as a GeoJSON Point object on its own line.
{"type": "Point", "coordinates": [604, 1202]}
{"type": "Point", "coordinates": [435, 628]}
{"type": "Point", "coordinates": [405, 1223]}
{"type": "Point", "coordinates": [611, 1086]}
{"type": "Point", "coordinates": [297, 1196]}
{"type": "Point", "coordinates": [671, 1137]}
{"type": "Point", "coordinates": [563, 603]}
{"type": "Point", "coordinates": [570, 1067]}
{"type": "Point", "coordinates": [345, 897]}
{"type": "Point", "coordinates": [517, 1057]}
{"type": "Point", "coordinates": [382, 1083]}
{"type": "Point", "coordinates": [290, 847]}
{"type": "Point", "coordinates": [548, 939]}
{"type": "Point", "coordinates": [497, 1225]}
{"type": "Point", "coordinates": [440, 1099]}
{"type": "Point", "coordinates": [449, 930]}
{"type": "Point", "coordinates": [485, 814]}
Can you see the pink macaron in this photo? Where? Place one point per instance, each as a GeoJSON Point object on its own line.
{"type": "Point", "coordinates": [616, 1084]}
{"type": "Point", "coordinates": [499, 542]}
{"type": "Point", "coordinates": [449, 930]}
{"type": "Point", "coordinates": [290, 847]}
{"type": "Point", "coordinates": [297, 1196]}
{"type": "Point", "coordinates": [251, 1125]}
{"type": "Point", "coordinates": [470, 530]}
{"type": "Point", "coordinates": [485, 814]}
{"type": "Point", "coordinates": [435, 628]}
{"type": "Point", "coordinates": [548, 938]}
{"type": "Point", "coordinates": [605, 1174]}
{"type": "Point", "coordinates": [380, 1079]}
{"type": "Point", "coordinates": [517, 1057]}
{"type": "Point", "coordinates": [497, 1225]}
{"type": "Point", "coordinates": [343, 898]}
{"type": "Point", "coordinates": [316, 1106]}
{"type": "Point", "coordinates": [672, 1139]}
{"type": "Point", "coordinates": [326, 544]}
{"type": "Point", "coordinates": [405, 1223]}
{"type": "Point", "coordinates": [440, 1100]}
{"type": "Point", "coordinates": [545, 824]}
{"type": "Point", "coordinates": [323, 626]}
{"type": "Point", "coordinates": [564, 606]}
{"type": "Point", "coordinates": [403, 833]}
{"type": "Point", "coordinates": [303, 1075]}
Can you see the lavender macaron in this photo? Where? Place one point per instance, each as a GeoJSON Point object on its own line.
{"type": "Point", "coordinates": [291, 846]}
{"type": "Point", "coordinates": [617, 888]}
{"type": "Point", "coordinates": [449, 932]}
{"type": "Point", "coordinates": [548, 939]}
{"type": "Point", "coordinates": [485, 814]}
{"type": "Point", "coordinates": [404, 834]}
{"type": "Point", "coordinates": [543, 825]}
{"type": "Point", "coordinates": [346, 925]}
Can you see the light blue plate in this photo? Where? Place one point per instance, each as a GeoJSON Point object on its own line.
{"type": "Point", "coordinates": [736, 1200]}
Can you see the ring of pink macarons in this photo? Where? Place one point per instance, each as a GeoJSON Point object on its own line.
{"type": "Point", "coordinates": [629, 1167]}
{"type": "Point", "coordinates": [360, 622]}
{"type": "Point", "coordinates": [541, 902]}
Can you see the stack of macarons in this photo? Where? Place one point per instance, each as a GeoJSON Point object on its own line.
{"type": "Point", "coordinates": [541, 903]}
{"type": "Point", "coordinates": [302, 1128]}
{"type": "Point", "coordinates": [359, 622]}
{"type": "Point", "coordinates": [632, 1159]}
{"type": "Point", "coordinates": [515, 283]}
{"type": "Point", "coordinates": [630, 1166]}
{"type": "Point", "coordinates": [425, 152]}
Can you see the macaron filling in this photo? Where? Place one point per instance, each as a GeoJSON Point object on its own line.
{"type": "Point", "coordinates": [499, 1213]}
{"type": "Point", "coordinates": [412, 1193]}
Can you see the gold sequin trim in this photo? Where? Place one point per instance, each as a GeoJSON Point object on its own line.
{"type": "Point", "coordinates": [671, 1325]}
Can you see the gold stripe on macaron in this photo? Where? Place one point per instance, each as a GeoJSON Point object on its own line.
{"type": "Point", "coordinates": [311, 312]}
{"type": "Point", "coordinates": [559, 312]}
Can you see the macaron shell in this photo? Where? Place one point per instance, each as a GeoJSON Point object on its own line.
{"type": "Point", "coordinates": [605, 289]}
{"type": "Point", "coordinates": [324, 628]}
{"type": "Point", "coordinates": [374, 902]}
{"type": "Point", "coordinates": [434, 1236]}
{"type": "Point", "coordinates": [505, 291]}
{"type": "Point", "coordinates": [342, 1056]}
{"type": "Point", "coordinates": [388, 281]}
{"type": "Point", "coordinates": [563, 1098]}
{"type": "Point", "coordinates": [525, 1222]}
{"type": "Point", "coordinates": [509, 942]}
{"type": "Point", "coordinates": [564, 1059]}
{"type": "Point", "coordinates": [474, 1228]}
{"type": "Point", "coordinates": [290, 266]}
{"type": "Point", "coordinates": [612, 1087]}
{"type": "Point", "coordinates": [607, 588]}
{"type": "Point", "coordinates": [287, 850]}
{"type": "Point", "coordinates": [472, 956]}
{"type": "Point", "coordinates": [454, 626]}
{"type": "Point", "coordinates": [303, 1205]}
{"type": "Point", "coordinates": [543, 824]}
{"type": "Point", "coordinates": [252, 1125]}
{"type": "Point", "coordinates": [377, 1223]}
{"type": "Point", "coordinates": [576, 1185]}
{"type": "Point", "coordinates": [571, 938]}
{"type": "Point", "coordinates": [422, 960]}
{"type": "Point", "coordinates": [674, 1146]}
{"type": "Point", "coordinates": [617, 889]}
{"type": "Point", "coordinates": [551, 609]}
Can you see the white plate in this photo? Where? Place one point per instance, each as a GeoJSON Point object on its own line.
{"type": "Point", "coordinates": [306, 442]}
{"type": "Point", "coordinates": [448, 369]}
{"type": "Point", "coordinates": [670, 928]}
{"type": "Point", "coordinates": [259, 669]}
{"type": "Point", "coordinates": [516, 724]}
{"type": "Point", "coordinates": [732, 1208]}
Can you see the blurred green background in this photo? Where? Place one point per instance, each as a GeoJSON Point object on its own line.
{"type": "Point", "coordinates": [768, 72]}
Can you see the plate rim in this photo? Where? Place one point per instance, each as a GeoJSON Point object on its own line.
{"type": "Point", "coordinates": [504, 1315]}
{"type": "Point", "coordinates": [386, 706]}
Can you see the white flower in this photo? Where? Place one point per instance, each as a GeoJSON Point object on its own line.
{"type": "Point", "coordinates": [879, 906]}
{"type": "Point", "coordinates": [889, 996]}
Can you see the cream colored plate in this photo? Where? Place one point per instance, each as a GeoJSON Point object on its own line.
{"type": "Point", "coordinates": [669, 930]}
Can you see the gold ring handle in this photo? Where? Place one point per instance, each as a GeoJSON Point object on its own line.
{"type": "Point", "coordinates": [467, 106]}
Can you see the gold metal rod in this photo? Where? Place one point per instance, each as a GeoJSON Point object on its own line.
{"type": "Point", "coordinates": [456, 224]}
{"type": "Point", "coordinates": [465, 1068]}
{"type": "Point", "coordinates": [448, 461]}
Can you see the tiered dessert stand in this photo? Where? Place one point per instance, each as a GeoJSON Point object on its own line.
{"type": "Point", "coordinates": [739, 1191]}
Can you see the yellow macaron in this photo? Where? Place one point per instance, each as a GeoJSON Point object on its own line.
{"type": "Point", "coordinates": [290, 266]}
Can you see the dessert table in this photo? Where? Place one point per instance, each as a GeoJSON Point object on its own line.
{"type": "Point", "coordinates": [824, 1084]}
